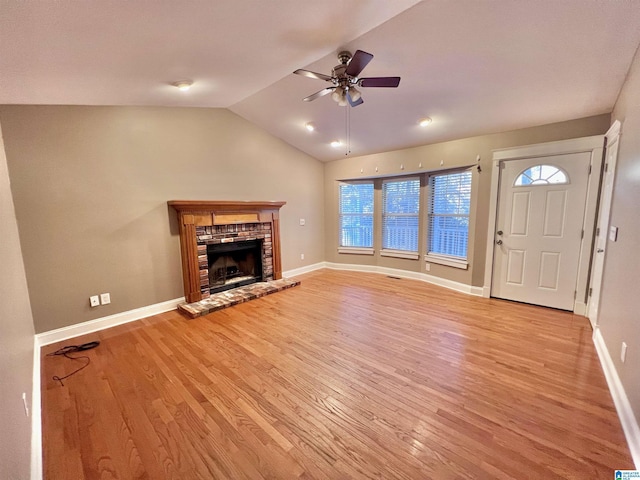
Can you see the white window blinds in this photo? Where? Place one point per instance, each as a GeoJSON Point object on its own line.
{"type": "Point", "coordinates": [448, 218]}
{"type": "Point", "coordinates": [356, 215]}
{"type": "Point", "coordinates": [400, 214]}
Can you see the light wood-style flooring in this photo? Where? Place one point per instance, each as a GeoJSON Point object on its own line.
{"type": "Point", "coordinates": [348, 376]}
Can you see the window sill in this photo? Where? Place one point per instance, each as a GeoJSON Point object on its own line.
{"type": "Point", "coordinates": [356, 251]}
{"type": "Point", "coordinates": [448, 261]}
{"type": "Point", "coordinates": [400, 254]}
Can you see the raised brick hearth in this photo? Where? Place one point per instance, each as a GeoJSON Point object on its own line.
{"type": "Point", "coordinates": [221, 300]}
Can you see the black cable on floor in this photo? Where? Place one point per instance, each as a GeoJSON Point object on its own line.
{"type": "Point", "coordinates": [66, 350]}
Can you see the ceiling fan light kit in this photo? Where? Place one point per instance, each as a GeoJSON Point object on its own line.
{"type": "Point", "coordinates": [344, 78]}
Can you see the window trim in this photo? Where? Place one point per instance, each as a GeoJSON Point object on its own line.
{"type": "Point", "coordinates": [448, 260]}
{"type": "Point", "coordinates": [408, 254]}
{"type": "Point", "coordinates": [357, 250]}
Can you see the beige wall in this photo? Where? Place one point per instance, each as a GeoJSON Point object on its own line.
{"type": "Point", "coordinates": [91, 186]}
{"type": "Point", "coordinates": [619, 319]}
{"type": "Point", "coordinates": [16, 340]}
{"type": "Point", "coordinates": [453, 154]}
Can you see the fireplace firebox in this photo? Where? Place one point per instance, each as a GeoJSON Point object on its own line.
{"type": "Point", "coordinates": [233, 265]}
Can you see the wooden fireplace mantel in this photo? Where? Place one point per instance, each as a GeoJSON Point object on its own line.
{"type": "Point", "coordinates": [203, 213]}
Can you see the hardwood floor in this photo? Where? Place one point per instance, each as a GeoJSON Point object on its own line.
{"type": "Point", "coordinates": [349, 375]}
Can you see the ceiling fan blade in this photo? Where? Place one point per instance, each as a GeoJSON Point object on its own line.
{"type": "Point", "coordinates": [319, 94]}
{"type": "Point", "coordinates": [358, 62]}
{"type": "Point", "coordinates": [307, 73]}
{"type": "Point", "coordinates": [356, 103]}
{"type": "Point", "coordinates": [379, 82]}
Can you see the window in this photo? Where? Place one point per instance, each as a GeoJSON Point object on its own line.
{"type": "Point", "coordinates": [356, 216]}
{"type": "Point", "coordinates": [448, 218]}
{"type": "Point", "coordinates": [400, 215]}
{"type": "Point", "coordinates": [541, 175]}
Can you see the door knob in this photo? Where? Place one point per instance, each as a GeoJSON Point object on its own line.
{"type": "Point", "coordinates": [499, 242]}
{"type": "Point", "coordinates": [499, 232]}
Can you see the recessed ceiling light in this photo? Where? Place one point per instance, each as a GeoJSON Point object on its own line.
{"type": "Point", "coordinates": [310, 126]}
{"type": "Point", "coordinates": [183, 85]}
{"type": "Point", "coordinates": [425, 121]}
{"type": "Point", "coordinates": [336, 143]}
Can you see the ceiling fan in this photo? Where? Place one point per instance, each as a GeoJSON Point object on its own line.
{"type": "Point", "coordinates": [344, 78]}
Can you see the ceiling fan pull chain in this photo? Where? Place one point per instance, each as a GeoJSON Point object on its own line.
{"type": "Point", "coordinates": [349, 123]}
{"type": "Point", "coordinates": [347, 131]}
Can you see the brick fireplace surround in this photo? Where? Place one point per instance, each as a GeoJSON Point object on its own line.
{"type": "Point", "coordinates": [232, 234]}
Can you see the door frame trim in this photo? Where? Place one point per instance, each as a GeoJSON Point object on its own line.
{"type": "Point", "coordinates": [593, 144]}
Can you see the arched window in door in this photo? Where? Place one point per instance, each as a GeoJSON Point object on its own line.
{"type": "Point", "coordinates": [542, 175]}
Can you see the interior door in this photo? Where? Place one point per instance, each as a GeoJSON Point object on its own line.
{"type": "Point", "coordinates": [603, 229]}
{"type": "Point", "coordinates": [538, 236]}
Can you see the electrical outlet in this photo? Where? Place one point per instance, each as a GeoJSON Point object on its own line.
{"type": "Point", "coordinates": [94, 300]}
{"type": "Point", "coordinates": [302, 222]}
{"type": "Point", "coordinates": [427, 267]}
{"type": "Point", "coordinates": [24, 402]}
{"type": "Point", "coordinates": [623, 352]}
{"type": "Point", "coordinates": [302, 256]}
{"type": "Point", "coordinates": [105, 298]}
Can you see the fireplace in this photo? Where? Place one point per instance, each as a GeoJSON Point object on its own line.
{"type": "Point", "coordinates": [233, 265]}
{"type": "Point", "coordinates": [210, 225]}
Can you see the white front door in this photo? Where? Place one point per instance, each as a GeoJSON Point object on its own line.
{"type": "Point", "coordinates": [538, 236]}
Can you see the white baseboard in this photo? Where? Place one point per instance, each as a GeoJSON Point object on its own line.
{"type": "Point", "coordinates": [36, 416]}
{"type": "Point", "coordinates": [442, 282]}
{"type": "Point", "coordinates": [299, 271]}
{"type": "Point", "coordinates": [620, 399]}
{"type": "Point", "coordinates": [91, 326]}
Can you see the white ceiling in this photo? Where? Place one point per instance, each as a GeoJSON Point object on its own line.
{"type": "Point", "coordinates": [474, 66]}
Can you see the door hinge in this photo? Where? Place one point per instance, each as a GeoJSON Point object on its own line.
{"type": "Point", "coordinates": [606, 167]}
{"type": "Point", "coordinates": [589, 169]}
{"type": "Point", "coordinates": [590, 291]}
{"type": "Point", "coordinates": [598, 232]}
{"type": "Point", "coordinates": [575, 294]}
{"type": "Point", "coordinates": [582, 235]}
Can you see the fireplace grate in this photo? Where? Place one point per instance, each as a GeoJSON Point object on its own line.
{"type": "Point", "coordinates": [232, 265]}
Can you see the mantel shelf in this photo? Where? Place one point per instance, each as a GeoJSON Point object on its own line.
{"type": "Point", "coordinates": [222, 205]}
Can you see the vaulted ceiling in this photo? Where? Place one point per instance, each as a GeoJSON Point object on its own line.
{"type": "Point", "coordinates": [473, 66]}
